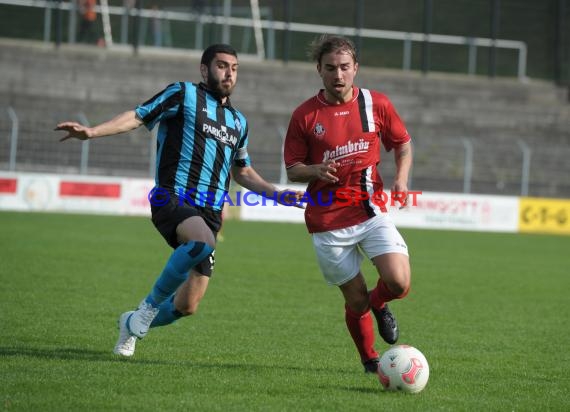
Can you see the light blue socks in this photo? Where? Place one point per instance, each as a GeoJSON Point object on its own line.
{"type": "Point", "coordinates": [184, 258]}
{"type": "Point", "coordinates": [167, 314]}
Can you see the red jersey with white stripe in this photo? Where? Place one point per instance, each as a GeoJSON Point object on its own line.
{"type": "Point", "coordinates": [350, 134]}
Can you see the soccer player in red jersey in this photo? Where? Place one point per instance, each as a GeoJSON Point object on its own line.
{"type": "Point", "coordinates": [333, 142]}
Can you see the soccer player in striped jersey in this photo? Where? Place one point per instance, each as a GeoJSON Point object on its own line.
{"type": "Point", "coordinates": [333, 144]}
{"type": "Point", "coordinates": [202, 141]}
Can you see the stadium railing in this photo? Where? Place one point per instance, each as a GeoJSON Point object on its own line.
{"type": "Point", "coordinates": [266, 47]}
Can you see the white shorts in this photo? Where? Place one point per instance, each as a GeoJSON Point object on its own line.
{"type": "Point", "coordinates": [338, 251]}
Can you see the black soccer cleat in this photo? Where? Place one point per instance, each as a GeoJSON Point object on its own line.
{"type": "Point", "coordinates": [387, 325]}
{"type": "Point", "coordinates": [371, 365]}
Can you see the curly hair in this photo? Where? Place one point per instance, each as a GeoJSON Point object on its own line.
{"type": "Point", "coordinates": [331, 44]}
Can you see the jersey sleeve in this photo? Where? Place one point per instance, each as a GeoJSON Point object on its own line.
{"type": "Point", "coordinates": [295, 148]}
{"type": "Point", "coordinates": [241, 156]}
{"type": "Point", "coordinates": [163, 105]}
{"type": "Point", "coordinates": [394, 132]}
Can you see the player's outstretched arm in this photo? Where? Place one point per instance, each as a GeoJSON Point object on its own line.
{"type": "Point", "coordinates": [247, 177]}
{"type": "Point", "coordinates": [119, 124]}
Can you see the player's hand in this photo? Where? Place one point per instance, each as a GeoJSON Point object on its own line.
{"type": "Point", "coordinates": [74, 130]}
{"type": "Point", "coordinates": [400, 193]}
{"type": "Point", "coordinates": [326, 171]}
{"type": "Point", "coordinates": [289, 197]}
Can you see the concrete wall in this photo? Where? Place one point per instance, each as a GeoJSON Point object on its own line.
{"type": "Point", "coordinates": [45, 86]}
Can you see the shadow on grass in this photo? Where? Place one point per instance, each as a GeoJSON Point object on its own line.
{"type": "Point", "coordinates": [68, 353]}
{"type": "Point", "coordinates": [259, 367]}
{"type": "Point", "coordinates": [359, 389]}
{"type": "Point", "coordinates": [82, 354]}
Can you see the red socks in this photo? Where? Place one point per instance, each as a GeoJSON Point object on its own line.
{"type": "Point", "coordinates": [361, 329]}
{"type": "Point", "coordinates": [361, 326]}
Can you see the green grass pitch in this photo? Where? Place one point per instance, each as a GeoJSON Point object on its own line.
{"type": "Point", "coordinates": [489, 311]}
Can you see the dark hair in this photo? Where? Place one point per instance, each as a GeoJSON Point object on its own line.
{"type": "Point", "coordinates": [212, 50]}
{"type": "Point", "coordinates": [328, 44]}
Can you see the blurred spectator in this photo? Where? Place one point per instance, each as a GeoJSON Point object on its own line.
{"type": "Point", "coordinates": [87, 27]}
{"type": "Point", "coordinates": [156, 26]}
{"type": "Point", "coordinates": [199, 5]}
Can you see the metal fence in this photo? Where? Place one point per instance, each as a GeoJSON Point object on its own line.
{"type": "Point", "coordinates": [462, 164]}
{"type": "Point", "coordinates": [262, 30]}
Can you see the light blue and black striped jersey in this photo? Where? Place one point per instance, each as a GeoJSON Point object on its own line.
{"type": "Point", "coordinates": [199, 139]}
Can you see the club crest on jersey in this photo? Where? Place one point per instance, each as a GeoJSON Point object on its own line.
{"type": "Point", "coordinates": [319, 131]}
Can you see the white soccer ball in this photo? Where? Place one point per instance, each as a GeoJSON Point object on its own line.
{"type": "Point", "coordinates": [403, 368]}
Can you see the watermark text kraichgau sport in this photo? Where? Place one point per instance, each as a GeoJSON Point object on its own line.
{"type": "Point", "coordinates": [342, 197]}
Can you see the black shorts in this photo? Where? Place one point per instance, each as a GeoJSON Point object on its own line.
{"type": "Point", "coordinates": [166, 218]}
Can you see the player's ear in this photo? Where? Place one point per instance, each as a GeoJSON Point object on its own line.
{"type": "Point", "coordinates": [204, 72]}
{"type": "Point", "coordinates": [319, 68]}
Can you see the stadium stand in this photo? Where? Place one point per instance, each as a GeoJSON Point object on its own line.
{"type": "Point", "coordinates": [498, 117]}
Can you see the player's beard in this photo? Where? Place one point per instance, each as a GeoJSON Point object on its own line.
{"type": "Point", "coordinates": [215, 85]}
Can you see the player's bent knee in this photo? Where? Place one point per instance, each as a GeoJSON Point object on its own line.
{"type": "Point", "coordinates": [403, 292]}
{"type": "Point", "coordinates": [399, 288]}
{"type": "Point", "coordinates": [400, 285]}
{"type": "Point", "coordinates": [206, 266]}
